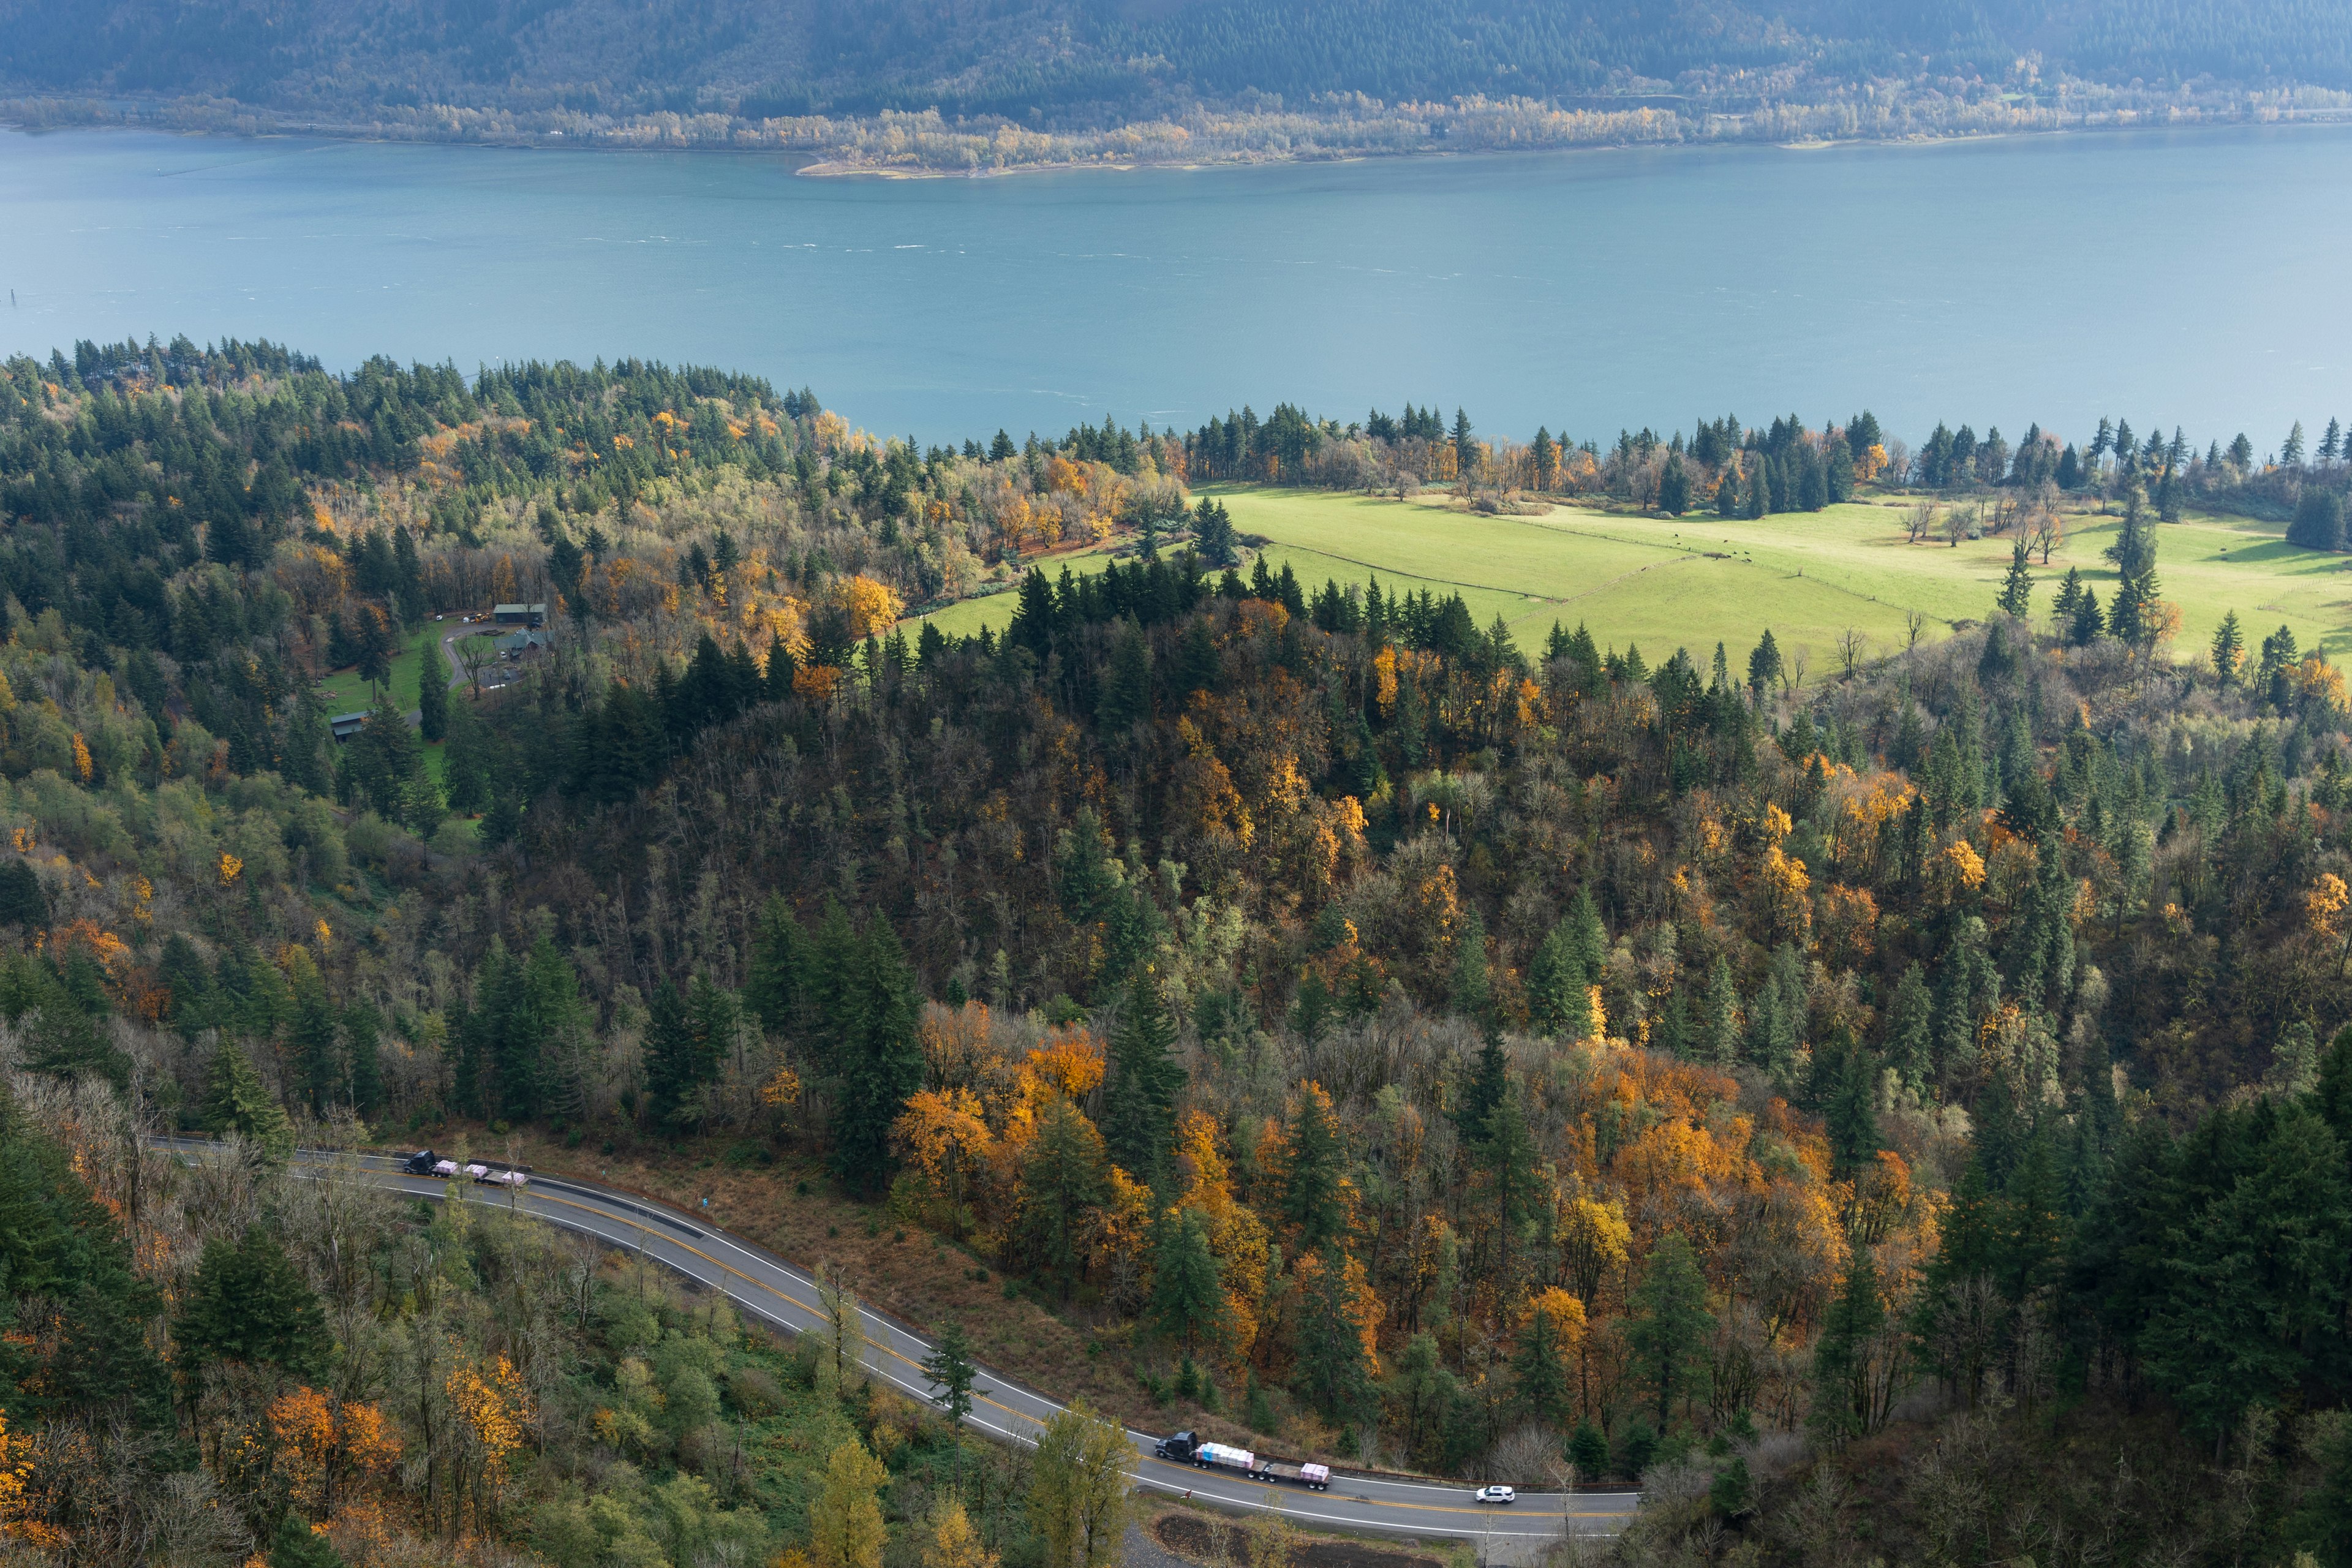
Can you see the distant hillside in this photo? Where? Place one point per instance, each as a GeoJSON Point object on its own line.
{"type": "Point", "coordinates": [1056, 66]}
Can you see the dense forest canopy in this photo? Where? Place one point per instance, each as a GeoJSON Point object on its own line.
{"type": "Point", "coordinates": [1856, 1104]}
{"type": "Point", "coordinates": [1044, 65]}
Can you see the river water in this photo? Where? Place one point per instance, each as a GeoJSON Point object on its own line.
{"type": "Point", "coordinates": [2202, 278]}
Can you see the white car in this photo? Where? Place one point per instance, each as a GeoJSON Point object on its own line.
{"type": "Point", "coordinates": [1495, 1494]}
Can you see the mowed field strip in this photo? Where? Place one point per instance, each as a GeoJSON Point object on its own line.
{"type": "Point", "coordinates": [1690, 581]}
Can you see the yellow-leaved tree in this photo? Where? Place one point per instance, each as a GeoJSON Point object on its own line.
{"type": "Point", "coordinates": [953, 1543]}
{"type": "Point", "coordinates": [1078, 1499]}
{"type": "Point", "coordinates": [846, 1528]}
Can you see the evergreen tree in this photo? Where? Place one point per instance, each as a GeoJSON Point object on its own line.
{"type": "Point", "coordinates": [297, 1545]}
{"type": "Point", "coordinates": [1472, 994]}
{"type": "Point", "coordinates": [1313, 1169]}
{"type": "Point", "coordinates": [1505, 1158]}
{"type": "Point", "coordinates": [669, 1052]}
{"type": "Point", "coordinates": [1558, 1005]}
{"type": "Point", "coordinates": [1188, 1296]}
{"type": "Point", "coordinates": [879, 1055]}
{"type": "Point", "coordinates": [1127, 692]}
{"type": "Point", "coordinates": [431, 697]}
{"type": "Point", "coordinates": [949, 1370]}
{"type": "Point", "coordinates": [1062, 1181]}
{"type": "Point", "coordinates": [779, 952]}
{"type": "Point", "coordinates": [235, 1102]}
{"type": "Point", "coordinates": [22, 901]}
{"type": "Point", "coordinates": [2319, 522]}
{"type": "Point", "coordinates": [247, 1302]}
{"type": "Point", "coordinates": [1539, 1372]}
{"type": "Point", "coordinates": [2070, 596]}
{"type": "Point", "coordinates": [1728, 498]}
{"type": "Point", "coordinates": [2017, 588]}
{"type": "Point", "coordinates": [363, 1036]}
{"type": "Point", "coordinates": [1910, 1041]}
{"type": "Point", "coordinates": [310, 1039]}
{"type": "Point", "coordinates": [1669, 1329]}
{"type": "Point", "coordinates": [1144, 1081]}
{"type": "Point", "coordinates": [1719, 1016]}
{"type": "Point", "coordinates": [2089, 623]}
{"type": "Point", "coordinates": [1587, 1450]}
{"type": "Point", "coordinates": [1675, 488]}
{"type": "Point", "coordinates": [1335, 1365]}
{"type": "Point", "coordinates": [1764, 666]}
{"type": "Point", "coordinates": [2228, 651]}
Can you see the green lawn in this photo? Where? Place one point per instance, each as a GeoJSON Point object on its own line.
{"type": "Point", "coordinates": [345, 692]}
{"type": "Point", "coordinates": [1690, 581]}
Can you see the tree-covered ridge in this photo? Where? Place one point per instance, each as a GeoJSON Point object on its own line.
{"type": "Point", "coordinates": [1053, 80]}
{"type": "Point", "coordinates": [1672, 1061]}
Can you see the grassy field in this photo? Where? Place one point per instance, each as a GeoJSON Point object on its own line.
{"type": "Point", "coordinates": [965, 617]}
{"type": "Point", "coordinates": [345, 692]}
{"type": "Point", "coordinates": [1660, 582]}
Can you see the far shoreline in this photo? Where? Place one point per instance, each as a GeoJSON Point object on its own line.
{"type": "Point", "coordinates": [817, 166]}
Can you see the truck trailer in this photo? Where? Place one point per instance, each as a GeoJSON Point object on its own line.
{"type": "Point", "coordinates": [1187, 1447]}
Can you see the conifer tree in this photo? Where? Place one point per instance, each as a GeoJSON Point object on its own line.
{"type": "Point", "coordinates": [1187, 1297]}
{"type": "Point", "coordinates": [431, 697]}
{"type": "Point", "coordinates": [2089, 623]}
{"type": "Point", "coordinates": [949, 1368]}
{"type": "Point", "coordinates": [1313, 1168]}
{"type": "Point", "coordinates": [297, 1545]}
{"type": "Point", "coordinates": [1556, 1004]}
{"type": "Point", "coordinates": [235, 1102]}
{"type": "Point", "coordinates": [2017, 588]}
{"type": "Point", "coordinates": [1674, 487]}
{"type": "Point", "coordinates": [247, 1302]}
{"type": "Point", "coordinates": [771, 986]}
{"type": "Point", "coordinates": [669, 1051]}
{"type": "Point", "coordinates": [1538, 1369]}
{"type": "Point", "coordinates": [1335, 1366]}
{"type": "Point", "coordinates": [1764, 664]}
{"type": "Point", "coordinates": [1144, 1081]}
{"type": "Point", "coordinates": [879, 1057]}
{"type": "Point", "coordinates": [1728, 500]}
{"type": "Point", "coordinates": [2228, 651]}
{"type": "Point", "coordinates": [1668, 1332]}
{"type": "Point", "coordinates": [310, 1037]}
{"type": "Point", "coordinates": [1844, 1402]}
{"type": "Point", "coordinates": [1720, 1018]}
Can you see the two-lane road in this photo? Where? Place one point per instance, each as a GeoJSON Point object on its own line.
{"type": "Point", "coordinates": [776, 1292]}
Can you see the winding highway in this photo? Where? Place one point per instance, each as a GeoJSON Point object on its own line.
{"type": "Point", "coordinates": [769, 1290]}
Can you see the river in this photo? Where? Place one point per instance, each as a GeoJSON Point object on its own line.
{"type": "Point", "coordinates": [2198, 278]}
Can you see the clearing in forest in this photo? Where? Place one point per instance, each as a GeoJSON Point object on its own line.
{"type": "Point", "coordinates": [1661, 583]}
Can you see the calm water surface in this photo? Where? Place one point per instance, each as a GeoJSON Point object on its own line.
{"type": "Point", "coordinates": [2202, 280]}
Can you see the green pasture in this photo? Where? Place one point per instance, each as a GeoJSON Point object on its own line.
{"type": "Point", "coordinates": [1664, 583]}
{"type": "Point", "coordinates": [1691, 582]}
{"type": "Point", "coordinates": [966, 617]}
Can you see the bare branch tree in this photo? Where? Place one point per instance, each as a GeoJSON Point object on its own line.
{"type": "Point", "coordinates": [1851, 647]}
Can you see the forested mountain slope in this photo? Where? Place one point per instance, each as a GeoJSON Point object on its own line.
{"type": "Point", "coordinates": [1862, 1107]}
{"type": "Point", "coordinates": [723, 68]}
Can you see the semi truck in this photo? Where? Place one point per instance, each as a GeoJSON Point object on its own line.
{"type": "Point", "coordinates": [1187, 1447]}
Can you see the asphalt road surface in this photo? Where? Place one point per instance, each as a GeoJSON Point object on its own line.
{"type": "Point", "coordinates": [775, 1291]}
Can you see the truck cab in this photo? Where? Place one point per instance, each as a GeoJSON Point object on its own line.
{"type": "Point", "coordinates": [1178, 1446]}
{"type": "Point", "coordinates": [420, 1163]}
